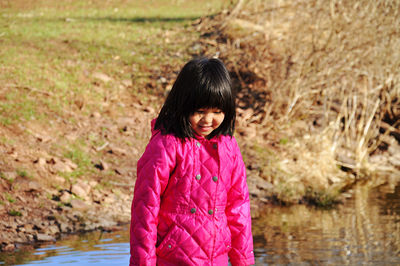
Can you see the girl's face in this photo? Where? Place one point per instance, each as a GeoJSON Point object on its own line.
{"type": "Point", "coordinates": [205, 120]}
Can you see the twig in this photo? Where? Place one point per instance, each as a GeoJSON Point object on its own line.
{"type": "Point", "coordinates": [102, 146]}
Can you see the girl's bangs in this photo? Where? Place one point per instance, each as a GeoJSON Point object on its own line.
{"type": "Point", "coordinates": [212, 98]}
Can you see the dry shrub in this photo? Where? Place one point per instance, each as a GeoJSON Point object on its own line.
{"type": "Point", "coordinates": [310, 166]}
{"type": "Point", "coordinates": [332, 65]}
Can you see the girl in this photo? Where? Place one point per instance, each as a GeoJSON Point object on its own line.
{"type": "Point", "coordinates": [191, 202]}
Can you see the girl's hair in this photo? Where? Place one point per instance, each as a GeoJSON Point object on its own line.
{"type": "Point", "coordinates": [202, 83]}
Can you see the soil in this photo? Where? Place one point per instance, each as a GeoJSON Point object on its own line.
{"type": "Point", "coordinates": [37, 204]}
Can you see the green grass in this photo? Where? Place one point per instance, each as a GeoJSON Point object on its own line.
{"type": "Point", "coordinates": [24, 173]}
{"type": "Point", "coordinates": [9, 198]}
{"type": "Point", "coordinates": [323, 198]}
{"type": "Point", "coordinates": [81, 158]}
{"type": "Point", "coordinates": [17, 108]}
{"type": "Point", "coordinates": [14, 213]}
{"type": "Point", "coordinates": [52, 52]}
{"type": "Point", "coordinates": [49, 51]}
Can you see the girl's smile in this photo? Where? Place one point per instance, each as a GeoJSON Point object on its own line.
{"type": "Point", "coordinates": [205, 120]}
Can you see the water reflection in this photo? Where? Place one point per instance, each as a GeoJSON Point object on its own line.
{"type": "Point", "coordinates": [99, 248]}
{"type": "Point", "coordinates": [366, 231]}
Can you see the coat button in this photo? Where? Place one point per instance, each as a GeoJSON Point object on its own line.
{"type": "Point", "coordinates": [193, 210]}
{"type": "Point", "coordinates": [215, 146]}
{"type": "Point", "coordinates": [198, 144]}
{"type": "Point", "coordinates": [169, 246]}
{"type": "Point", "coordinates": [210, 212]}
{"type": "Point", "coordinates": [198, 177]}
{"type": "Point", "coordinates": [215, 178]}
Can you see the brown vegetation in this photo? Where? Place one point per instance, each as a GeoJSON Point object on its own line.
{"type": "Point", "coordinates": [319, 81]}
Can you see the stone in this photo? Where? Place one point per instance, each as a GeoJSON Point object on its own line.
{"type": "Point", "coordinates": [110, 199]}
{"type": "Point", "coordinates": [81, 189]}
{"type": "Point", "coordinates": [259, 187]}
{"type": "Point", "coordinates": [102, 165]}
{"type": "Point", "coordinates": [117, 150]}
{"type": "Point", "coordinates": [126, 82]}
{"type": "Point", "coordinates": [149, 109]}
{"type": "Point", "coordinates": [34, 186]}
{"type": "Point", "coordinates": [30, 237]}
{"type": "Point", "coordinates": [65, 228]}
{"type": "Point", "coordinates": [90, 226]}
{"type": "Point", "coordinates": [101, 76]}
{"type": "Point", "coordinates": [52, 230]}
{"type": "Point", "coordinates": [93, 183]}
{"type": "Point", "coordinates": [59, 180]}
{"type": "Point", "coordinates": [79, 205]}
{"type": "Point", "coordinates": [106, 223]}
{"type": "Point", "coordinates": [44, 237]}
{"type": "Point", "coordinates": [65, 197]}
{"type": "Point", "coordinates": [60, 167]}
{"type": "Point", "coordinates": [40, 161]}
{"type": "Point", "coordinates": [28, 228]}
{"type": "Point", "coordinates": [96, 115]}
{"type": "Point", "coordinates": [97, 195]}
{"type": "Point", "coordinates": [70, 164]}
{"type": "Point", "coordinates": [9, 247]}
{"type": "Point", "coordinates": [10, 175]}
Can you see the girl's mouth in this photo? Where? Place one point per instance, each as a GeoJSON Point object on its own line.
{"type": "Point", "coordinates": [205, 128]}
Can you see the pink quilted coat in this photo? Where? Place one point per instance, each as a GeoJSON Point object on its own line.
{"type": "Point", "coordinates": [191, 204]}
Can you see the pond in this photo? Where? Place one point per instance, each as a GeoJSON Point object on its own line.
{"type": "Point", "coordinates": [363, 231]}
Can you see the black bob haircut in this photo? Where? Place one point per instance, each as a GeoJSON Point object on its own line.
{"type": "Point", "coordinates": [202, 83]}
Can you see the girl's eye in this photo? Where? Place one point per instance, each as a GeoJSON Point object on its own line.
{"type": "Point", "coordinates": [217, 111]}
{"type": "Point", "coordinates": [201, 111]}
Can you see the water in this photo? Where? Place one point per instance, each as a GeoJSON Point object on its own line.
{"type": "Point", "coordinates": [95, 248]}
{"type": "Point", "coordinates": [364, 231]}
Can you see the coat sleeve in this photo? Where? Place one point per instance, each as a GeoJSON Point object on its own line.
{"type": "Point", "coordinates": [238, 214]}
{"type": "Point", "coordinates": [153, 171]}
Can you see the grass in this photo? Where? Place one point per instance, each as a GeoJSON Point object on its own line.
{"type": "Point", "coordinates": [9, 198]}
{"type": "Point", "coordinates": [51, 51]}
{"type": "Point", "coordinates": [14, 213]}
{"type": "Point", "coordinates": [15, 108]}
{"type": "Point", "coordinates": [60, 61]}
{"type": "Point", "coordinates": [81, 158]}
{"type": "Point", "coordinates": [24, 173]}
{"type": "Point", "coordinates": [10, 180]}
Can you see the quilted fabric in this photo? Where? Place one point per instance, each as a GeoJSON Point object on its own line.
{"type": "Point", "coordinates": [191, 204]}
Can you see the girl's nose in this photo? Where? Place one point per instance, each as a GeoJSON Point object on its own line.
{"type": "Point", "coordinates": [207, 118]}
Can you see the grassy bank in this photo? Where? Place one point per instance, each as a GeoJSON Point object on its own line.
{"type": "Point", "coordinates": [66, 62]}
{"type": "Point", "coordinates": [79, 83]}
{"type": "Point", "coordinates": [69, 56]}
{"type": "Point", "coordinates": [317, 85]}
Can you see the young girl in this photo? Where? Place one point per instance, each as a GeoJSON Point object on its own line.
{"type": "Point", "coordinates": [191, 202]}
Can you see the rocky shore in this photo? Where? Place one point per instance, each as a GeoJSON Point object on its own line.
{"type": "Point", "coordinates": [38, 205]}
{"type": "Point", "coordinates": [33, 213]}
{"type": "Point", "coordinates": [47, 190]}
{"type": "Point", "coordinates": [40, 219]}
